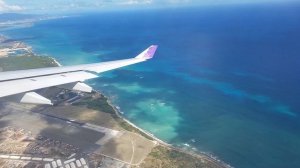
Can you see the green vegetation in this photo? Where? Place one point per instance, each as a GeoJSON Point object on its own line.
{"type": "Point", "coordinates": [100, 103]}
{"type": "Point", "coordinates": [162, 153]}
{"type": "Point", "coordinates": [161, 156]}
{"type": "Point", "coordinates": [25, 62]}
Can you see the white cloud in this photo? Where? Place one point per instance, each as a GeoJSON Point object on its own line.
{"type": "Point", "coordinates": [178, 1]}
{"type": "Point", "coordinates": [136, 2]}
{"type": "Point", "coordinates": [4, 7]}
{"type": "Point", "coordinates": [77, 5]}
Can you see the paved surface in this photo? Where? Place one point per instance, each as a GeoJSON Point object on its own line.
{"type": "Point", "coordinates": [122, 146]}
{"type": "Point", "coordinates": [83, 135]}
{"type": "Point", "coordinates": [51, 162]}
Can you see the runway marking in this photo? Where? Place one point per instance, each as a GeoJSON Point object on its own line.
{"type": "Point", "coordinates": [25, 158]}
{"type": "Point", "coordinates": [4, 156]}
{"type": "Point", "coordinates": [48, 159]}
{"type": "Point", "coordinates": [14, 157]}
{"type": "Point", "coordinates": [69, 161]}
{"type": "Point", "coordinates": [50, 162]}
{"type": "Point", "coordinates": [37, 159]}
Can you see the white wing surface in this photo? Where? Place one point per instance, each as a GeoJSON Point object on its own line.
{"type": "Point", "coordinates": [23, 82]}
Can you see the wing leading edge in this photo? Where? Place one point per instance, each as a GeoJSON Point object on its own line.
{"type": "Point", "coordinates": [25, 81]}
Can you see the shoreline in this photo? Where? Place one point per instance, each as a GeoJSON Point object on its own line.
{"type": "Point", "coordinates": [13, 47]}
{"type": "Point", "coordinates": [199, 155]}
{"type": "Point", "coordinates": [118, 113]}
{"type": "Point", "coordinates": [56, 62]}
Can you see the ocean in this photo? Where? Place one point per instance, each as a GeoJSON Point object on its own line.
{"type": "Point", "coordinates": [225, 79]}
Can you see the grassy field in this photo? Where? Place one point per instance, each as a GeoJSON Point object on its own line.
{"type": "Point", "coordinates": [25, 62]}
{"type": "Point", "coordinates": [163, 157]}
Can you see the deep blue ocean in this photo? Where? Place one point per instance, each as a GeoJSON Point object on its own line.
{"type": "Point", "coordinates": [225, 79]}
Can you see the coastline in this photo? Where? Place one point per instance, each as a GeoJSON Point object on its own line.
{"type": "Point", "coordinates": [56, 62]}
{"type": "Point", "coordinates": [119, 114]}
{"type": "Point", "coordinates": [10, 47]}
{"type": "Point", "coordinates": [201, 155]}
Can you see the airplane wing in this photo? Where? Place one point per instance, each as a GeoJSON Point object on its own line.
{"type": "Point", "coordinates": [23, 82]}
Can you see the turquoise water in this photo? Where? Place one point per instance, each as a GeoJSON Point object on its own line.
{"type": "Point", "coordinates": [225, 80]}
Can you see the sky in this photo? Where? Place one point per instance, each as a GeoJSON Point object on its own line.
{"type": "Point", "coordinates": [44, 6]}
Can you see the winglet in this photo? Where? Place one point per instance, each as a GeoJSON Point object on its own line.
{"type": "Point", "coordinates": [148, 53]}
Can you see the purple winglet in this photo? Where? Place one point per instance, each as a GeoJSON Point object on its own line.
{"type": "Point", "coordinates": [148, 53]}
{"type": "Point", "coordinates": [151, 51]}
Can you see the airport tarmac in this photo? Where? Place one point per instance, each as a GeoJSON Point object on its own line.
{"type": "Point", "coordinates": [56, 128]}
{"type": "Point", "coordinates": [120, 145]}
